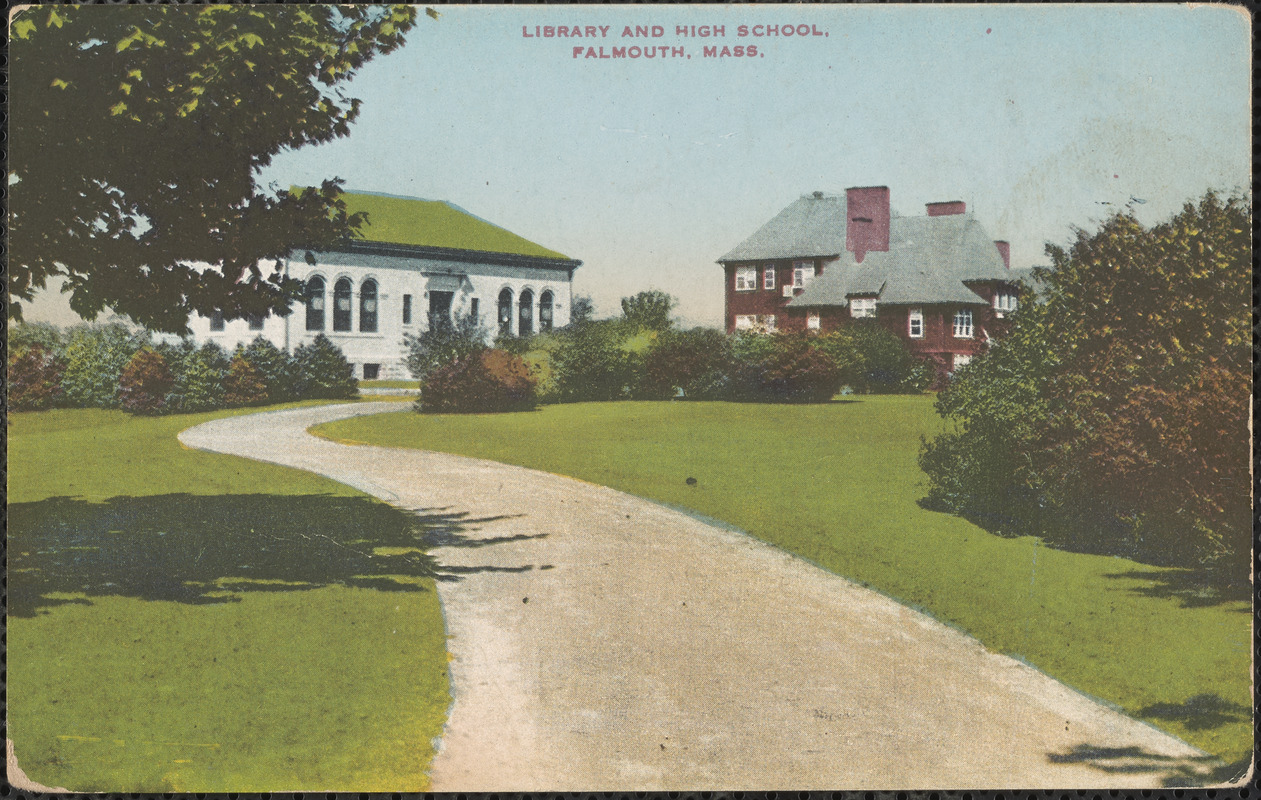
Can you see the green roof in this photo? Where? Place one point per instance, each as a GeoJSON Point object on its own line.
{"type": "Point", "coordinates": [436, 223]}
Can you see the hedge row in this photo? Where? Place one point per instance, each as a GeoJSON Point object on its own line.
{"type": "Point", "coordinates": [111, 366]}
{"type": "Point", "coordinates": [619, 359]}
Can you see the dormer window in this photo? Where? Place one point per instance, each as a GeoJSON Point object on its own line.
{"type": "Point", "coordinates": [1005, 301]}
{"type": "Point", "coordinates": [860, 307]}
{"type": "Point", "coordinates": [803, 272]}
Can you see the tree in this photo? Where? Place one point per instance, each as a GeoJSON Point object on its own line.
{"type": "Point", "coordinates": [34, 378]}
{"type": "Point", "coordinates": [145, 383]}
{"type": "Point", "coordinates": [648, 310]}
{"type": "Point", "coordinates": [483, 382]}
{"type": "Point", "coordinates": [321, 371]}
{"type": "Point", "coordinates": [244, 384]}
{"type": "Point", "coordinates": [581, 310]}
{"type": "Point", "coordinates": [95, 357]}
{"type": "Point", "coordinates": [1115, 415]}
{"type": "Point", "coordinates": [137, 135]}
{"type": "Point", "coordinates": [443, 342]}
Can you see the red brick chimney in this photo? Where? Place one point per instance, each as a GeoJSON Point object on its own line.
{"type": "Point", "coordinates": [947, 208]}
{"type": "Point", "coordinates": [868, 224]}
{"type": "Point", "coordinates": [1004, 250]}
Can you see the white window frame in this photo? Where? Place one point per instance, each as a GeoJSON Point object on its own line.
{"type": "Point", "coordinates": [746, 279]}
{"type": "Point", "coordinates": [803, 273]}
{"type": "Point", "coordinates": [914, 321]}
{"type": "Point", "coordinates": [768, 277]}
{"type": "Point", "coordinates": [963, 323]}
{"type": "Point", "coordinates": [745, 322]}
{"type": "Point", "coordinates": [812, 321]}
{"type": "Point", "coordinates": [862, 307]}
{"type": "Point", "coordinates": [1005, 301]}
{"type": "Point", "coordinates": [768, 322]}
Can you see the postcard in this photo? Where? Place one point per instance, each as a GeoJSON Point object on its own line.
{"type": "Point", "coordinates": [629, 398]}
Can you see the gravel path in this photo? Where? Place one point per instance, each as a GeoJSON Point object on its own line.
{"type": "Point", "coordinates": [600, 642]}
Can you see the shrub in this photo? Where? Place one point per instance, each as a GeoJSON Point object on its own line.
{"type": "Point", "coordinates": [145, 383]}
{"type": "Point", "coordinates": [795, 372]}
{"type": "Point", "coordinates": [244, 384]}
{"type": "Point", "coordinates": [488, 381]}
{"type": "Point", "coordinates": [883, 364]}
{"type": "Point", "coordinates": [321, 371]}
{"type": "Point", "coordinates": [204, 374]}
{"type": "Point", "coordinates": [274, 366]}
{"type": "Point", "coordinates": [95, 358]}
{"type": "Point", "coordinates": [177, 355]}
{"type": "Point", "coordinates": [25, 335]}
{"type": "Point", "coordinates": [35, 374]}
{"type": "Point", "coordinates": [696, 363]}
{"type": "Point", "coordinates": [591, 364]}
{"type": "Point", "coordinates": [444, 342]}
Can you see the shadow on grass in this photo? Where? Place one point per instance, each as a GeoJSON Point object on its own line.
{"type": "Point", "coordinates": [1170, 770]}
{"type": "Point", "coordinates": [210, 549]}
{"type": "Point", "coordinates": [1193, 587]}
{"type": "Point", "coordinates": [1201, 712]}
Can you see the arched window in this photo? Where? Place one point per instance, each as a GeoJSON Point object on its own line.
{"type": "Point", "coordinates": [525, 321]}
{"type": "Point", "coordinates": [505, 312]}
{"type": "Point", "coordinates": [341, 305]}
{"type": "Point", "coordinates": [545, 311]}
{"type": "Point", "coordinates": [368, 307]}
{"type": "Point", "coordinates": [315, 304]}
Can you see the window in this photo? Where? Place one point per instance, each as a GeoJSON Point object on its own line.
{"type": "Point", "coordinates": [473, 310]}
{"type": "Point", "coordinates": [812, 321]}
{"type": "Point", "coordinates": [505, 312]}
{"type": "Point", "coordinates": [525, 315]}
{"type": "Point", "coordinates": [915, 323]}
{"type": "Point", "coordinates": [963, 323]}
{"type": "Point", "coordinates": [768, 277]}
{"type": "Point", "coordinates": [255, 321]}
{"type": "Point", "coordinates": [216, 320]}
{"type": "Point", "coordinates": [315, 304]}
{"type": "Point", "coordinates": [407, 309]}
{"type": "Point", "coordinates": [1004, 301]}
{"type": "Point", "coordinates": [961, 360]}
{"type": "Point", "coordinates": [368, 307]}
{"type": "Point", "coordinates": [746, 279]}
{"type": "Point", "coordinates": [545, 311]}
{"type": "Point", "coordinates": [803, 273]}
{"type": "Point", "coordinates": [762, 323]}
{"type": "Point", "coordinates": [768, 322]}
{"type": "Point", "coordinates": [341, 305]}
{"type": "Point", "coordinates": [745, 322]}
{"type": "Point", "coordinates": [862, 307]}
{"type": "Point", "coordinates": [371, 371]}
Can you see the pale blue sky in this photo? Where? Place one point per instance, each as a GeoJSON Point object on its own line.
{"type": "Point", "coordinates": [648, 170]}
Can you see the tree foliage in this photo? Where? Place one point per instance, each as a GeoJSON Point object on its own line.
{"type": "Point", "coordinates": [95, 357]}
{"type": "Point", "coordinates": [1120, 405]}
{"type": "Point", "coordinates": [244, 384]}
{"type": "Point", "coordinates": [145, 383]}
{"type": "Point", "coordinates": [136, 137]}
{"type": "Point", "coordinates": [321, 371]}
{"type": "Point", "coordinates": [34, 378]}
{"type": "Point", "coordinates": [443, 342]}
{"type": "Point", "coordinates": [488, 380]}
{"type": "Point", "coordinates": [649, 310]}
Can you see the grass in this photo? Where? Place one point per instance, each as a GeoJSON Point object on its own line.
{"type": "Point", "coordinates": [192, 622]}
{"type": "Point", "coordinates": [385, 384]}
{"type": "Point", "coordinates": [838, 484]}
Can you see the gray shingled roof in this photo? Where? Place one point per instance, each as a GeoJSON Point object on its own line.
{"type": "Point", "coordinates": [928, 261]}
{"type": "Point", "coordinates": [812, 226]}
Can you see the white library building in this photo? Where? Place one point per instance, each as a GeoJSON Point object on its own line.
{"type": "Point", "coordinates": [418, 259]}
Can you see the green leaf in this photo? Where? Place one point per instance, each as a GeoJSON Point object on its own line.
{"type": "Point", "coordinates": [118, 109]}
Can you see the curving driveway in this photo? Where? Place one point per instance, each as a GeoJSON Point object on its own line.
{"type": "Point", "coordinates": [600, 642]}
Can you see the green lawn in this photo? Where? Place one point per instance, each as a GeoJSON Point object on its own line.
{"type": "Point", "coordinates": [191, 622]}
{"type": "Point", "coordinates": [367, 386]}
{"type": "Point", "coordinates": [838, 484]}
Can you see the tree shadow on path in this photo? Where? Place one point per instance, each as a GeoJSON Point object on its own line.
{"type": "Point", "coordinates": [209, 549]}
{"type": "Point", "coordinates": [1170, 770]}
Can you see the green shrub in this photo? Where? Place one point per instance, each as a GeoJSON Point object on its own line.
{"type": "Point", "coordinates": [244, 384]}
{"type": "Point", "coordinates": [794, 372]}
{"type": "Point", "coordinates": [274, 366]}
{"type": "Point", "coordinates": [204, 374]}
{"type": "Point", "coordinates": [95, 358]}
{"type": "Point", "coordinates": [488, 381]}
{"type": "Point", "coordinates": [145, 383]}
{"type": "Point", "coordinates": [25, 335]}
{"type": "Point", "coordinates": [35, 374]}
{"type": "Point", "coordinates": [444, 342]}
{"type": "Point", "coordinates": [591, 364]}
{"type": "Point", "coordinates": [695, 364]}
{"type": "Point", "coordinates": [321, 372]}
